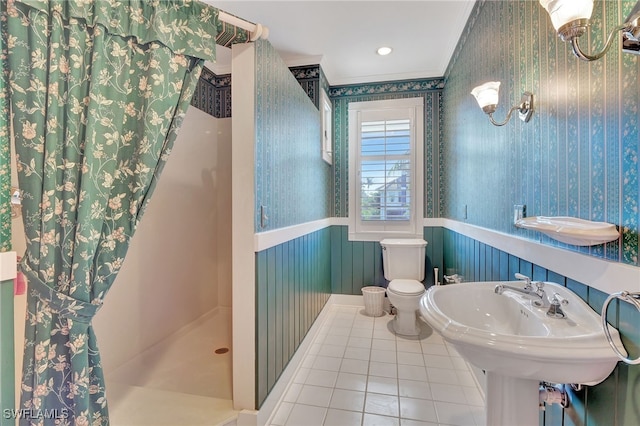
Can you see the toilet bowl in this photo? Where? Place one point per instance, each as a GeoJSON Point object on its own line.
{"type": "Point", "coordinates": [403, 262]}
{"type": "Point", "coordinates": [405, 296]}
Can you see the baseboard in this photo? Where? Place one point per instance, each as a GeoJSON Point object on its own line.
{"type": "Point", "coordinates": [247, 418]}
{"type": "Point", "coordinates": [346, 299]}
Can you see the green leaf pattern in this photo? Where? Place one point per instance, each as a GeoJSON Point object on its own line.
{"type": "Point", "coordinates": [98, 92]}
{"type": "Point", "coordinates": [5, 154]}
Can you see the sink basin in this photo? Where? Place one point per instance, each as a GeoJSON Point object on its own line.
{"type": "Point", "coordinates": [507, 334]}
{"type": "Point", "coordinates": [518, 345]}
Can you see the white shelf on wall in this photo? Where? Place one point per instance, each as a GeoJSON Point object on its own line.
{"type": "Point", "coordinates": [571, 230]}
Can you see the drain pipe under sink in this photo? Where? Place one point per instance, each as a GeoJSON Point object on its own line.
{"type": "Point", "coordinates": [552, 394]}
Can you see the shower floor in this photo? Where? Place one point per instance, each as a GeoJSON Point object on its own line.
{"type": "Point", "coordinates": [181, 380]}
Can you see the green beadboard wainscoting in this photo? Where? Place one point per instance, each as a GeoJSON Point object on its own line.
{"type": "Point", "coordinates": [356, 264]}
{"type": "Point", "coordinates": [7, 369]}
{"type": "Point", "coordinates": [293, 282]}
{"type": "Point", "coordinates": [7, 356]}
{"type": "Point", "coordinates": [293, 186]}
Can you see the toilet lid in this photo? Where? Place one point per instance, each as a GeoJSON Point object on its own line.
{"type": "Point", "coordinates": [409, 287]}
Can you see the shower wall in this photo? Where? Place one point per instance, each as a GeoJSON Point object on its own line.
{"type": "Point", "coordinates": [178, 267]}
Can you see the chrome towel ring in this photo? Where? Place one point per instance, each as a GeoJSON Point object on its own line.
{"type": "Point", "coordinates": [634, 299]}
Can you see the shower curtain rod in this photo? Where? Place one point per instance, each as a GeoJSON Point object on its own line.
{"type": "Point", "coordinates": [257, 30]}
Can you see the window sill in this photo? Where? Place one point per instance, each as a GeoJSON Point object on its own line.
{"type": "Point", "coordinates": [381, 235]}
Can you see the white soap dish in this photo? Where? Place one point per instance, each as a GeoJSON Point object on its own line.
{"type": "Point", "coordinates": [571, 230]}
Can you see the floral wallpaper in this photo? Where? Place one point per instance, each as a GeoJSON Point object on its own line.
{"type": "Point", "coordinates": [292, 182]}
{"type": "Point", "coordinates": [431, 91]}
{"type": "Point", "coordinates": [578, 156]}
{"type": "Point", "coordinates": [213, 94]}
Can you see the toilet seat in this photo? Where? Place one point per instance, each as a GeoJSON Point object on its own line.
{"type": "Point", "coordinates": [406, 287]}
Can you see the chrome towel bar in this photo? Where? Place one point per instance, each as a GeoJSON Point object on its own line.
{"type": "Point", "coordinates": [634, 299]}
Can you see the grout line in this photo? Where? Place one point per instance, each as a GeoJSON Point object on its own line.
{"type": "Point", "coordinates": [325, 331]}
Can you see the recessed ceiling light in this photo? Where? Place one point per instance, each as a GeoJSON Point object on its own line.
{"type": "Point", "coordinates": [384, 50]}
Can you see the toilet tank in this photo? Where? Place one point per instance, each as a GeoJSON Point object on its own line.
{"type": "Point", "coordinates": [403, 258]}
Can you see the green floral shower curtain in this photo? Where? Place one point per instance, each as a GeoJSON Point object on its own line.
{"type": "Point", "coordinates": [98, 90]}
{"type": "Point", "coordinates": [5, 155]}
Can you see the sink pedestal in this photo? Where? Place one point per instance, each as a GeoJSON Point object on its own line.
{"type": "Point", "coordinates": [511, 401]}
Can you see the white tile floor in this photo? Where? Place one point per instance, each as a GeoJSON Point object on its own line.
{"type": "Point", "coordinates": [357, 372]}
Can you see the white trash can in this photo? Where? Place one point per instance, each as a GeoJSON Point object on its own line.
{"type": "Point", "coordinates": [373, 300]}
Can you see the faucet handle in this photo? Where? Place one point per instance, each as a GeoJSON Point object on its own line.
{"type": "Point", "coordinates": [555, 310]}
{"type": "Point", "coordinates": [540, 292]}
{"type": "Point", "coordinates": [527, 280]}
{"type": "Point", "coordinates": [455, 278]}
{"type": "Point", "coordinates": [558, 300]}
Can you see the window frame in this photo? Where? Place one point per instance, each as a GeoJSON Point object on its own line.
{"type": "Point", "coordinates": [326, 118]}
{"type": "Point", "coordinates": [412, 108]}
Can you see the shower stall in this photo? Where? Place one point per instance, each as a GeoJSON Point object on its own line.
{"type": "Point", "coordinates": [165, 331]}
{"type": "Point", "coordinates": [165, 334]}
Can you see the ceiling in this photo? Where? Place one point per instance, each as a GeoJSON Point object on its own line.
{"type": "Point", "coordinates": [343, 36]}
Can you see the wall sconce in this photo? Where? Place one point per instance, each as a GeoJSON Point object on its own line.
{"type": "Point", "coordinates": [570, 18]}
{"type": "Point", "coordinates": [487, 97]}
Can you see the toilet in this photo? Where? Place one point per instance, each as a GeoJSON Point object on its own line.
{"type": "Point", "coordinates": [403, 265]}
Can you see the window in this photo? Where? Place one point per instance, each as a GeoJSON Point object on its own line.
{"type": "Point", "coordinates": [325, 114]}
{"type": "Point", "coordinates": [386, 172]}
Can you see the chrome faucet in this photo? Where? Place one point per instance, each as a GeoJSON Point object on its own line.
{"type": "Point", "coordinates": [555, 308]}
{"type": "Point", "coordinates": [527, 280]}
{"type": "Point", "coordinates": [451, 279]}
{"type": "Point", "coordinates": [455, 278]}
{"type": "Point", "coordinates": [538, 295]}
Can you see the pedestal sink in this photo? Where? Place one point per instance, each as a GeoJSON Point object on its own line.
{"type": "Point", "coordinates": [518, 345]}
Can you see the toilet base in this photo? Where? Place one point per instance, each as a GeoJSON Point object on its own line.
{"type": "Point", "coordinates": [406, 323]}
